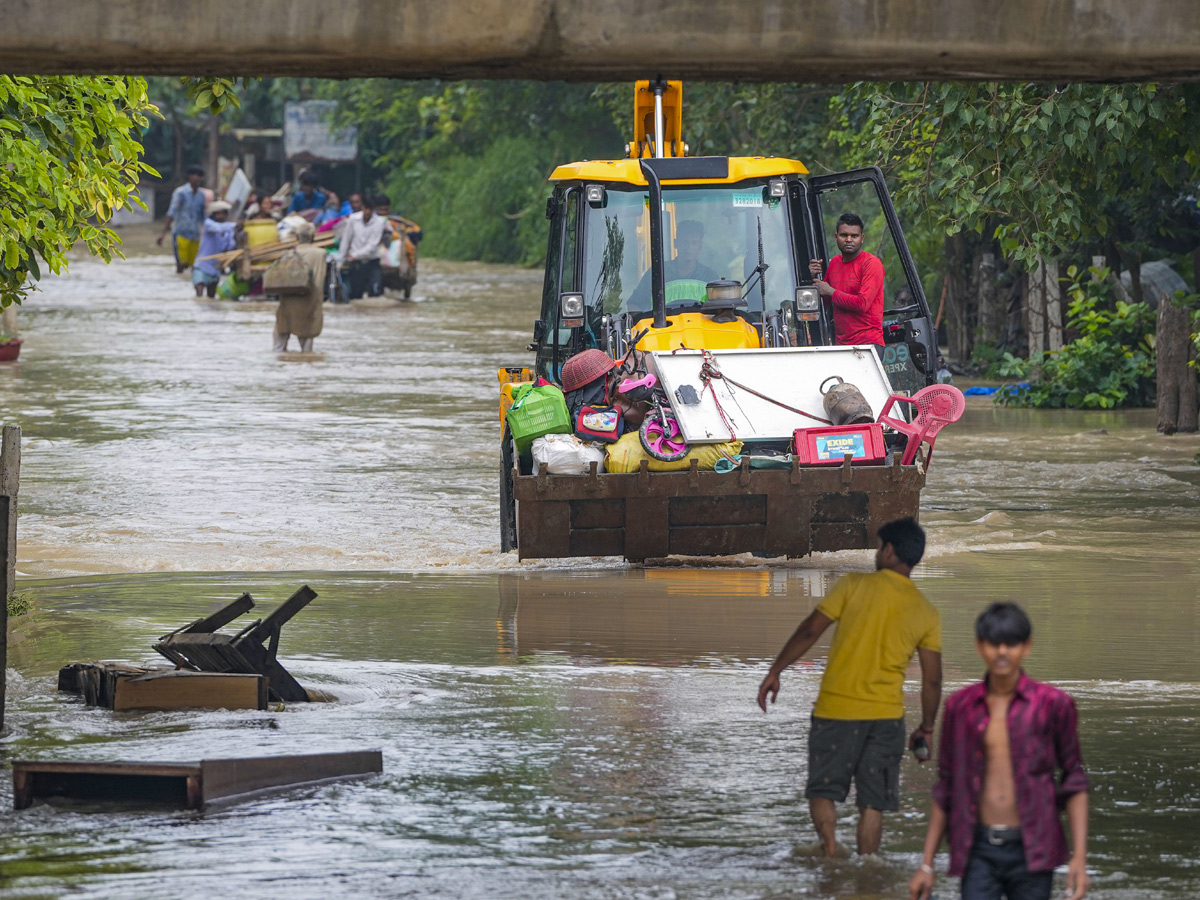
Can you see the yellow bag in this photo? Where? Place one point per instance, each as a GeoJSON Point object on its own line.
{"type": "Point", "coordinates": [626, 455]}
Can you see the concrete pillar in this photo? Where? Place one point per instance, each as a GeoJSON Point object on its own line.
{"type": "Point", "coordinates": [10, 476]}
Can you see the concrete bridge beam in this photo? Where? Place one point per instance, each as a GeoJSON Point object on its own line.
{"type": "Point", "coordinates": [618, 40]}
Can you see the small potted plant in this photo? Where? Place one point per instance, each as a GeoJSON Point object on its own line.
{"type": "Point", "coordinates": [10, 346]}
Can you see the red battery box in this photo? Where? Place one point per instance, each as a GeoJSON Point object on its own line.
{"type": "Point", "coordinates": [829, 445]}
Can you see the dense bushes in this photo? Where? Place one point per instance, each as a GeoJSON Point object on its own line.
{"type": "Point", "coordinates": [1109, 364]}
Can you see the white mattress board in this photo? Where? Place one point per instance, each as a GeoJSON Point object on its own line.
{"type": "Point", "coordinates": [791, 375]}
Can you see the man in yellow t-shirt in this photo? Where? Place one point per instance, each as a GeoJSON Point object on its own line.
{"type": "Point", "coordinates": [858, 722]}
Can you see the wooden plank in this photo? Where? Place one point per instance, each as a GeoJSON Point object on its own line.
{"type": "Point", "coordinates": [120, 782]}
{"type": "Point", "coordinates": [281, 615]}
{"type": "Point", "coordinates": [190, 785]}
{"type": "Point", "coordinates": [95, 682]}
{"type": "Point", "coordinates": [221, 617]}
{"type": "Point", "coordinates": [226, 778]}
{"type": "Point", "coordinates": [283, 685]}
{"type": "Point", "coordinates": [190, 690]}
{"type": "Point", "coordinates": [115, 767]}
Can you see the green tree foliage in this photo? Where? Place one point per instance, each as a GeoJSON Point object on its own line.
{"type": "Point", "coordinates": [1109, 364]}
{"type": "Point", "coordinates": [469, 160]}
{"type": "Point", "coordinates": [71, 155]}
{"type": "Point", "coordinates": [1042, 166]}
{"type": "Point", "coordinates": [213, 93]}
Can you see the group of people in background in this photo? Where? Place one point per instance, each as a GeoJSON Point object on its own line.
{"type": "Point", "coordinates": [201, 228]}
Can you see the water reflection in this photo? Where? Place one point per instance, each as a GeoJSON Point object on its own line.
{"type": "Point", "coordinates": [557, 734]}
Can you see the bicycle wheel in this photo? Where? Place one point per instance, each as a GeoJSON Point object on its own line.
{"type": "Point", "coordinates": [663, 442]}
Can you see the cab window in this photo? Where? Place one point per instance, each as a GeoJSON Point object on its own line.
{"type": "Point", "coordinates": [708, 234]}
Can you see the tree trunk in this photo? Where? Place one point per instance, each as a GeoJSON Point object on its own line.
{"type": "Point", "coordinates": [1133, 265]}
{"type": "Point", "coordinates": [1177, 402]}
{"type": "Point", "coordinates": [1054, 306]}
{"type": "Point", "coordinates": [958, 323]}
{"type": "Point", "coordinates": [177, 131]}
{"type": "Point", "coordinates": [1035, 308]}
{"type": "Point", "coordinates": [991, 313]}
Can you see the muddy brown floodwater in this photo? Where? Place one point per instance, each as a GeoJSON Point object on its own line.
{"type": "Point", "coordinates": [584, 729]}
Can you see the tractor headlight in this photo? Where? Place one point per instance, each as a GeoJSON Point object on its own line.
{"type": "Point", "coordinates": [808, 304]}
{"type": "Point", "coordinates": [807, 299]}
{"type": "Point", "coordinates": [570, 307]}
{"type": "Point", "coordinates": [595, 194]}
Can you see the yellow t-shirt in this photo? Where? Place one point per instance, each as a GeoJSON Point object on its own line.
{"type": "Point", "coordinates": [882, 618]}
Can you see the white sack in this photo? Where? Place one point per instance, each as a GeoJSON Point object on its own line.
{"type": "Point", "coordinates": [565, 454]}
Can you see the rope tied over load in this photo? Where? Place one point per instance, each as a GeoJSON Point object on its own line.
{"type": "Point", "coordinates": [710, 371]}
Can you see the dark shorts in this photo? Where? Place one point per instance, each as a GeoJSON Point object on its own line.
{"type": "Point", "coordinates": [865, 751]}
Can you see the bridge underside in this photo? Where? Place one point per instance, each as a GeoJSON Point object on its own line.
{"type": "Point", "coordinates": [612, 40]}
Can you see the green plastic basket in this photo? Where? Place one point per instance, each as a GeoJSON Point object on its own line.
{"type": "Point", "coordinates": [537, 411]}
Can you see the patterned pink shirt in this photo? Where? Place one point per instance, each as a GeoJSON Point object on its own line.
{"type": "Point", "coordinates": [1043, 740]}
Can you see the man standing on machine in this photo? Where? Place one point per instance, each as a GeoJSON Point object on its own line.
{"type": "Point", "coordinates": [854, 284]}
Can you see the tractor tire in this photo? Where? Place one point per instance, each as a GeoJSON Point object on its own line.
{"type": "Point", "coordinates": [508, 503]}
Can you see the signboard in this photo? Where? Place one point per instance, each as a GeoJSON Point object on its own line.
{"type": "Point", "coordinates": [307, 136]}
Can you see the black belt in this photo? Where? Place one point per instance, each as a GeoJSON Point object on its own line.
{"type": "Point", "coordinates": [997, 835]}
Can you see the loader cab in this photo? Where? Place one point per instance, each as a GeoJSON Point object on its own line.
{"type": "Point", "coordinates": [735, 248]}
{"type": "Point", "coordinates": [910, 342]}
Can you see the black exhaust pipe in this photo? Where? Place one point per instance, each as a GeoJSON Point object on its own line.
{"type": "Point", "coordinates": [658, 285]}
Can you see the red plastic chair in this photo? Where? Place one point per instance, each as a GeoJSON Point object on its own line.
{"type": "Point", "coordinates": [937, 406]}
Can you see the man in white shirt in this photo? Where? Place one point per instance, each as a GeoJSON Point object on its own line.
{"type": "Point", "coordinates": [358, 250]}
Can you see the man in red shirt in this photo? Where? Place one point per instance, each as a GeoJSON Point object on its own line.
{"type": "Point", "coordinates": [854, 283]}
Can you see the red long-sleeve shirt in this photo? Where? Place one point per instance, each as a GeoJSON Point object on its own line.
{"type": "Point", "coordinates": [857, 298]}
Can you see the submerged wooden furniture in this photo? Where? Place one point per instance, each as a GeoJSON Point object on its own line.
{"type": "Point", "coordinates": [121, 687]}
{"type": "Point", "coordinates": [188, 785]}
{"type": "Point", "coordinates": [251, 651]}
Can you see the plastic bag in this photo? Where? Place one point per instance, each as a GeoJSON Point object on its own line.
{"type": "Point", "coordinates": [232, 287]}
{"type": "Point", "coordinates": [783, 461]}
{"type": "Point", "coordinates": [626, 455]}
{"type": "Point", "coordinates": [565, 454]}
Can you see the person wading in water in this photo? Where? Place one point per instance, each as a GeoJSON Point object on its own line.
{"type": "Point", "coordinates": [858, 722]}
{"type": "Point", "coordinates": [1002, 740]}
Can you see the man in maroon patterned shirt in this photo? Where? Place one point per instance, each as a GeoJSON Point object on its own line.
{"type": "Point", "coordinates": [854, 285]}
{"type": "Point", "coordinates": [1003, 739]}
